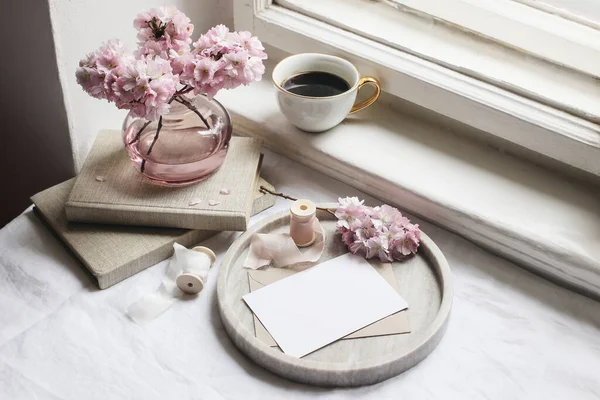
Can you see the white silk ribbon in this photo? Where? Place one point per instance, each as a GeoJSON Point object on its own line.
{"type": "Point", "coordinates": [183, 261]}
{"type": "Point", "coordinates": [280, 249]}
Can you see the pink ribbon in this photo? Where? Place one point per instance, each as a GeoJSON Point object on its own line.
{"type": "Point", "coordinates": [280, 249]}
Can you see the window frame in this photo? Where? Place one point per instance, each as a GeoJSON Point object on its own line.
{"type": "Point", "coordinates": [561, 12]}
{"type": "Point", "coordinates": [493, 110]}
{"type": "Point", "coordinates": [518, 25]}
{"type": "Point", "coordinates": [461, 50]}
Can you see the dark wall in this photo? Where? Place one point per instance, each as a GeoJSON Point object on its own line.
{"type": "Point", "coordinates": [35, 148]}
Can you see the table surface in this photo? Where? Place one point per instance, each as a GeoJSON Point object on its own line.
{"type": "Point", "coordinates": [512, 335]}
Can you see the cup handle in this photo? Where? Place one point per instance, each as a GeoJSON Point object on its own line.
{"type": "Point", "coordinates": [366, 103]}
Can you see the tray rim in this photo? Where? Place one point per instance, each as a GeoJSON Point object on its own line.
{"type": "Point", "coordinates": [318, 372]}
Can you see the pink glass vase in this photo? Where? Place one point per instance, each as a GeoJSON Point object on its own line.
{"type": "Point", "coordinates": [190, 147]}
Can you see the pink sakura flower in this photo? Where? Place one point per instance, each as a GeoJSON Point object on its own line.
{"type": "Point", "coordinates": [228, 59]}
{"type": "Point", "coordinates": [94, 68]}
{"type": "Point", "coordinates": [179, 61]}
{"type": "Point", "coordinates": [164, 32]}
{"type": "Point", "coordinates": [220, 35]}
{"type": "Point", "coordinates": [201, 45]}
{"type": "Point", "coordinates": [252, 44]}
{"type": "Point", "coordinates": [154, 49]}
{"type": "Point", "coordinates": [393, 233]}
{"type": "Point", "coordinates": [358, 247]}
{"type": "Point", "coordinates": [111, 55]}
{"type": "Point", "coordinates": [236, 62]}
{"type": "Point", "coordinates": [377, 246]}
{"type": "Point", "coordinates": [379, 232]}
{"type": "Point", "coordinates": [366, 231]}
{"type": "Point", "coordinates": [91, 80]}
{"type": "Point", "coordinates": [384, 215]}
{"type": "Point", "coordinates": [204, 71]}
{"type": "Point", "coordinates": [146, 87]}
{"type": "Point", "coordinates": [350, 212]}
{"type": "Point", "coordinates": [253, 70]}
{"type": "Point", "coordinates": [414, 234]}
{"type": "Point", "coordinates": [408, 243]}
{"type": "Point", "coordinates": [146, 81]}
{"type": "Point", "coordinates": [142, 24]}
{"type": "Point", "coordinates": [348, 238]}
{"type": "Point", "coordinates": [400, 220]}
{"type": "Point", "coordinates": [180, 27]}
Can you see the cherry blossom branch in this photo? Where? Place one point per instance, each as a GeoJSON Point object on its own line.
{"type": "Point", "coordinates": [189, 105]}
{"type": "Point", "coordinates": [184, 90]}
{"type": "Point", "coordinates": [139, 133]}
{"type": "Point", "coordinates": [143, 166]}
{"type": "Point", "coordinates": [285, 196]}
{"type": "Point", "coordinates": [193, 108]}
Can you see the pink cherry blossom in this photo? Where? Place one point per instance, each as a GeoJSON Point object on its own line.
{"type": "Point", "coordinates": [384, 215]}
{"type": "Point", "coordinates": [253, 70]}
{"type": "Point", "coordinates": [224, 60]}
{"type": "Point", "coordinates": [350, 211]}
{"type": "Point", "coordinates": [96, 66]}
{"type": "Point", "coordinates": [147, 81]}
{"type": "Point", "coordinates": [376, 232]}
{"type": "Point", "coordinates": [251, 43]}
{"type": "Point", "coordinates": [111, 55]}
{"type": "Point", "coordinates": [146, 87]}
{"type": "Point", "coordinates": [91, 80]}
{"type": "Point", "coordinates": [358, 247]}
{"type": "Point", "coordinates": [219, 35]}
{"type": "Point", "coordinates": [204, 71]}
{"type": "Point", "coordinates": [377, 246]}
{"type": "Point", "coordinates": [348, 238]}
{"type": "Point", "coordinates": [164, 32]}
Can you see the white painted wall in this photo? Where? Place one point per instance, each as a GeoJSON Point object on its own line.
{"type": "Point", "coordinates": [80, 26]}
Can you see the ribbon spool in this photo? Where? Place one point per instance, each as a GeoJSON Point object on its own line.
{"type": "Point", "coordinates": [302, 216]}
{"type": "Point", "coordinates": [191, 283]}
{"type": "Point", "coordinates": [282, 249]}
{"type": "Point", "coordinates": [186, 273]}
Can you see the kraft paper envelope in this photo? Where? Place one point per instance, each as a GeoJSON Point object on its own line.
{"type": "Point", "coordinates": [394, 324]}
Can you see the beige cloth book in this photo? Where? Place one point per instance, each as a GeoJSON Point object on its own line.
{"type": "Point", "coordinates": [124, 197]}
{"type": "Point", "coordinates": [113, 253]}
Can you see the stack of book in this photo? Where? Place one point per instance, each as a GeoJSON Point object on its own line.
{"type": "Point", "coordinates": [117, 223]}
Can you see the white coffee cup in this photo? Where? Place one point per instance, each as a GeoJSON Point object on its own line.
{"type": "Point", "coordinates": [318, 114]}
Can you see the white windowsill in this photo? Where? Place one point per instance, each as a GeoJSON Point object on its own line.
{"type": "Point", "coordinates": [492, 110]}
{"type": "Point", "coordinates": [525, 213]}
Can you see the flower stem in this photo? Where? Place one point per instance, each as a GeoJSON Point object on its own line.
{"type": "Point", "coordinates": [183, 90]}
{"type": "Point", "coordinates": [193, 108]}
{"type": "Point", "coordinates": [139, 133]}
{"type": "Point", "coordinates": [143, 166]}
{"type": "Point", "coordinates": [285, 196]}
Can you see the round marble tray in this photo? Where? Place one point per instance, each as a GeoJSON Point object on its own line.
{"type": "Point", "coordinates": [425, 282]}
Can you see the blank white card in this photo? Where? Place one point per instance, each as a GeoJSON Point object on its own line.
{"type": "Point", "coordinates": [322, 304]}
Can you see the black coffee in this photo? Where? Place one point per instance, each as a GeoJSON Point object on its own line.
{"type": "Point", "coordinates": [315, 84]}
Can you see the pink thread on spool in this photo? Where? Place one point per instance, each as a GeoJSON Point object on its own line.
{"type": "Point", "coordinates": [302, 216]}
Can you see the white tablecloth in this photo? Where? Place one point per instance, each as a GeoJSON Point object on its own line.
{"type": "Point", "coordinates": [512, 335]}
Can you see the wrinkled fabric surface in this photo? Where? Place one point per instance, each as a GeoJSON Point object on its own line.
{"type": "Point", "coordinates": [512, 335]}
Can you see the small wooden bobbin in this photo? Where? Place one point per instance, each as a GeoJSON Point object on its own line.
{"type": "Point", "coordinates": [302, 215]}
{"type": "Point", "coordinates": [191, 283]}
{"type": "Point", "coordinates": [211, 254]}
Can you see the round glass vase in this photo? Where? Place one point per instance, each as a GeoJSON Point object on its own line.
{"type": "Point", "coordinates": [190, 147]}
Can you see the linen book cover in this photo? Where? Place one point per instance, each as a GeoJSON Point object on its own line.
{"type": "Point", "coordinates": [112, 253]}
{"type": "Point", "coordinates": [109, 190]}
